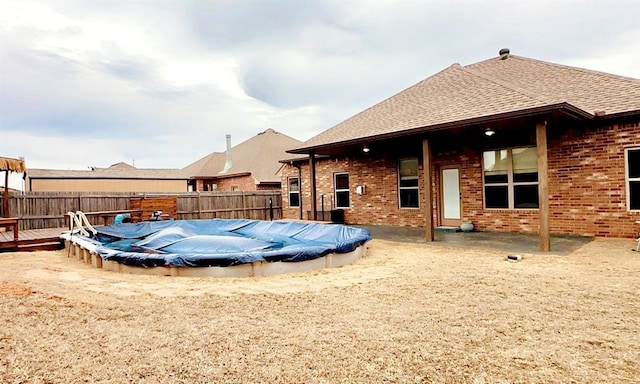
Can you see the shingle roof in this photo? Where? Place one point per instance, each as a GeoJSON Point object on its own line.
{"type": "Point", "coordinates": [490, 88]}
{"type": "Point", "coordinates": [116, 171]}
{"type": "Point", "coordinates": [258, 156]}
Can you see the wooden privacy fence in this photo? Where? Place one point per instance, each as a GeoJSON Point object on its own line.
{"type": "Point", "coordinates": [47, 210]}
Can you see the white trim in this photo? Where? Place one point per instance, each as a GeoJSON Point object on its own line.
{"type": "Point", "coordinates": [450, 188]}
{"type": "Point", "coordinates": [510, 184]}
{"type": "Point", "coordinates": [336, 190]}
{"type": "Point", "coordinates": [627, 180]}
{"type": "Point", "coordinates": [296, 192]}
{"type": "Point", "coordinates": [400, 188]}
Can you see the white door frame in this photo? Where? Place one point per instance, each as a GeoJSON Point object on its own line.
{"type": "Point", "coordinates": [450, 196]}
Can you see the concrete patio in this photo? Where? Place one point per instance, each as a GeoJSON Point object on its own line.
{"type": "Point", "coordinates": [503, 241]}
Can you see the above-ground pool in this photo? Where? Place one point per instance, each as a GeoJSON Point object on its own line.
{"type": "Point", "coordinates": [216, 246]}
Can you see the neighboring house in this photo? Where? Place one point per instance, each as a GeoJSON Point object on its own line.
{"type": "Point", "coordinates": [509, 144]}
{"type": "Point", "coordinates": [120, 177]}
{"type": "Point", "coordinates": [249, 166]}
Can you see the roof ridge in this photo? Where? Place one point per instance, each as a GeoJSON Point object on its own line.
{"type": "Point", "coordinates": [511, 86]}
{"type": "Point", "coordinates": [574, 68]}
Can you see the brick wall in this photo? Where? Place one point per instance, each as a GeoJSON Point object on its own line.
{"type": "Point", "coordinates": [242, 183]}
{"type": "Point", "coordinates": [586, 186]}
{"type": "Point", "coordinates": [587, 181]}
{"type": "Point", "coordinates": [378, 205]}
{"type": "Point", "coordinates": [472, 202]}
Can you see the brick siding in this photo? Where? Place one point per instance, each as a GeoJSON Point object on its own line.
{"type": "Point", "coordinates": [241, 183]}
{"type": "Point", "coordinates": [586, 186]}
{"type": "Point", "coordinates": [587, 182]}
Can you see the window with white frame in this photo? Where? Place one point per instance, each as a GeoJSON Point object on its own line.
{"type": "Point", "coordinates": [294, 192]}
{"type": "Point", "coordinates": [511, 178]}
{"type": "Point", "coordinates": [632, 157]}
{"type": "Point", "coordinates": [408, 183]}
{"type": "Point", "coordinates": [341, 188]}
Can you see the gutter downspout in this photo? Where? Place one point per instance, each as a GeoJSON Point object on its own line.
{"type": "Point", "coordinates": [312, 185]}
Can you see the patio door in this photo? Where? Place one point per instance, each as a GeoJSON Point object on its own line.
{"type": "Point", "coordinates": [451, 212]}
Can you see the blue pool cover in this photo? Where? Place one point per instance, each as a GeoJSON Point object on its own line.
{"type": "Point", "coordinates": [222, 242]}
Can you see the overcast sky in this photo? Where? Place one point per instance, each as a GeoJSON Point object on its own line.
{"type": "Point", "coordinates": [92, 83]}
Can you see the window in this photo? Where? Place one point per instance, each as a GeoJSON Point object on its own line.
{"type": "Point", "coordinates": [408, 183]}
{"type": "Point", "coordinates": [341, 187]}
{"type": "Point", "coordinates": [511, 178]}
{"type": "Point", "coordinates": [633, 178]}
{"type": "Point", "coordinates": [294, 192]}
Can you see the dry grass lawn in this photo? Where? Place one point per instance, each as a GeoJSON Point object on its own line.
{"type": "Point", "coordinates": [406, 313]}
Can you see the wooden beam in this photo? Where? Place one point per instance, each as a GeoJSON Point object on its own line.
{"type": "Point", "coordinates": [6, 194]}
{"type": "Point", "coordinates": [428, 195]}
{"type": "Point", "coordinates": [312, 185]}
{"type": "Point", "coordinates": [543, 185]}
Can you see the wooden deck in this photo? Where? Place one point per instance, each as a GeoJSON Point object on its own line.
{"type": "Point", "coordinates": [32, 240]}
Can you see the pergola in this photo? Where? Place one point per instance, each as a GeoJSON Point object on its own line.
{"type": "Point", "coordinates": [8, 164]}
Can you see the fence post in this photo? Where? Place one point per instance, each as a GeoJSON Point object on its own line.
{"type": "Point", "coordinates": [199, 207]}
{"type": "Point", "coordinates": [270, 208]}
{"type": "Point", "coordinates": [244, 208]}
{"type": "Point", "coordinates": [22, 207]}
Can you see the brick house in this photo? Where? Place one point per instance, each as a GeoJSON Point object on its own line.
{"type": "Point", "coordinates": [249, 166]}
{"type": "Point", "coordinates": [509, 144]}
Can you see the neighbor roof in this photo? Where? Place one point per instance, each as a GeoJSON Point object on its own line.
{"type": "Point", "coordinates": [496, 88]}
{"type": "Point", "coordinates": [258, 156]}
{"type": "Point", "coordinates": [116, 171]}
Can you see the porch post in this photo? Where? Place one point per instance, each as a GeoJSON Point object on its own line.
{"type": "Point", "coordinates": [426, 177]}
{"type": "Point", "coordinates": [543, 185]}
{"type": "Point", "coordinates": [312, 185]}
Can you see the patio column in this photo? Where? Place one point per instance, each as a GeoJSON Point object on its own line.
{"type": "Point", "coordinates": [300, 189]}
{"type": "Point", "coordinates": [312, 184]}
{"type": "Point", "coordinates": [543, 185]}
{"type": "Point", "coordinates": [426, 177]}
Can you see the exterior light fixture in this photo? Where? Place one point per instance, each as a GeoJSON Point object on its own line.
{"type": "Point", "coordinates": [489, 132]}
{"type": "Point", "coordinates": [365, 148]}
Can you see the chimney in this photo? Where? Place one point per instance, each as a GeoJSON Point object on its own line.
{"type": "Point", "coordinates": [504, 53]}
{"type": "Point", "coordinates": [229, 163]}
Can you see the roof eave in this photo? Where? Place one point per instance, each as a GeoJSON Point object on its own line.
{"type": "Point", "coordinates": [226, 176]}
{"type": "Point", "coordinates": [269, 183]}
{"type": "Point", "coordinates": [565, 108]}
{"type": "Point", "coordinates": [618, 115]}
{"type": "Point", "coordinates": [304, 159]}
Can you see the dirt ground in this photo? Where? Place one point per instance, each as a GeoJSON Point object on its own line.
{"type": "Point", "coordinates": [405, 313]}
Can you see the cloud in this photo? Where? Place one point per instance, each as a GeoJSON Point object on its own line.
{"type": "Point", "coordinates": [163, 82]}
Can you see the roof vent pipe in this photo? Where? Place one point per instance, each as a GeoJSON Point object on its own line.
{"type": "Point", "coordinates": [504, 53]}
{"type": "Point", "coordinates": [229, 163]}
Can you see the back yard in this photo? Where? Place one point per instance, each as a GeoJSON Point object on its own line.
{"type": "Point", "coordinates": [405, 313]}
